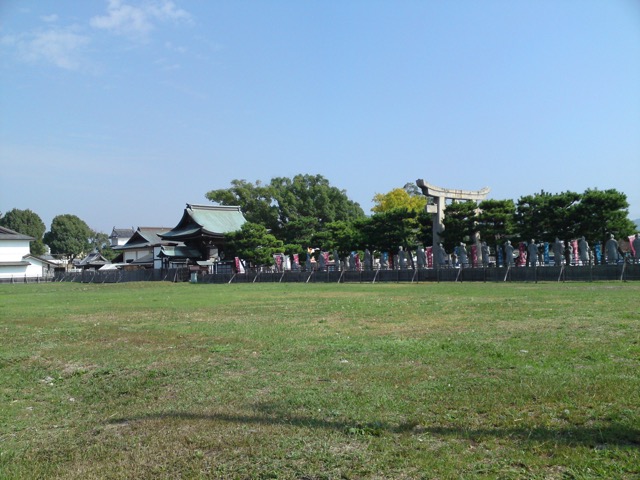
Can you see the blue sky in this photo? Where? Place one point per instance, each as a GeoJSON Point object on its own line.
{"type": "Point", "coordinates": [122, 111]}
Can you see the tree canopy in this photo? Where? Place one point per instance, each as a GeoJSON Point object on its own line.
{"type": "Point", "coordinates": [495, 220]}
{"type": "Point", "coordinates": [593, 214]}
{"type": "Point", "coordinates": [459, 223]}
{"type": "Point", "coordinates": [306, 211]}
{"type": "Point", "coordinates": [28, 223]}
{"type": "Point", "coordinates": [411, 200]}
{"type": "Point", "coordinates": [545, 216]}
{"type": "Point", "coordinates": [69, 235]}
{"type": "Point", "coordinates": [292, 209]}
{"type": "Point", "coordinates": [100, 242]}
{"type": "Point", "coordinates": [389, 230]}
{"type": "Point", "coordinates": [600, 213]}
{"type": "Point", "coordinates": [254, 244]}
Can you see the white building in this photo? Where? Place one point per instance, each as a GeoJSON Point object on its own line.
{"type": "Point", "coordinates": [139, 249]}
{"type": "Point", "coordinates": [16, 261]}
{"type": "Point", "coordinates": [120, 236]}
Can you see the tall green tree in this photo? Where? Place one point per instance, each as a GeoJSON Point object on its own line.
{"type": "Point", "coordinates": [100, 242]}
{"type": "Point", "coordinates": [342, 236]}
{"type": "Point", "coordinates": [459, 223]}
{"type": "Point", "coordinates": [312, 196]}
{"type": "Point", "coordinates": [256, 200]}
{"type": "Point", "coordinates": [388, 231]}
{"type": "Point", "coordinates": [69, 235]}
{"type": "Point", "coordinates": [496, 220]}
{"type": "Point", "coordinates": [425, 228]}
{"type": "Point", "coordinates": [602, 212]}
{"type": "Point", "coordinates": [545, 216]}
{"type": "Point", "coordinates": [292, 209]}
{"type": "Point", "coordinates": [28, 223]}
{"type": "Point", "coordinates": [253, 243]}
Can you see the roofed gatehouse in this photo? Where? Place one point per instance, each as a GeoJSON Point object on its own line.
{"type": "Point", "coordinates": [202, 230]}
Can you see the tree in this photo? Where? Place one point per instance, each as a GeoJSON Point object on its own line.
{"type": "Point", "coordinates": [600, 213]}
{"type": "Point", "coordinates": [387, 231]}
{"type": "Point", "coordinates": [342, 236]}
{"type": "Point", "coordinates": [292, 209]}
{"type": "Point", "coordinates": [28, 223]}
{"type": "Point", "coordinates": [69, 235]}
{"type": "Point", "coordinates": [399, 198]}
{"type": "Point", "coordinates": [312, 196]}
{"type": "Point", "coordinates": [496, 220]}
{"type": "Point", "coordinates": [425, 228]}
{"type": "Point", "coordinates": [545, 216]}
{"type": "Point", "coordinates": [459, 223]}
{"type": "Point", "coordinates": [256, 200]}
{"type": "Point", "coordinates": [100, 242]}
{"type": "Point", "coordinates": [253, 243]}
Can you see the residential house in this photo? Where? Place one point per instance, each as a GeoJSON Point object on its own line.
{"type": "Point", "coordinates": [16, 260]}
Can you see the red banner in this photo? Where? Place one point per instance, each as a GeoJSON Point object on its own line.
{"type": "Point", "coordinates": [522, 255]}
{"type": "Point", "coordinates": [239, 267]}
{"type": "Point", "coordinates": [474, 255]}
{"type": "Point", "coordinates": [576, 254]}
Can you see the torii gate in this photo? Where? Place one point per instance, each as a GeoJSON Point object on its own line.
{"type": "Point", "coordinates": [440, 195]}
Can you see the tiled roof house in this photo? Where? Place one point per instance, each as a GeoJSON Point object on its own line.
{"type": "Point", "coordinates": [16, 260]}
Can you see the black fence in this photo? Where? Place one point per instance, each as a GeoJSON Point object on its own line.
{"type": "Point", "coordinates": [620, 272]}
{"type": "Point", "coordinates": [26, 279]}
{"type": "Point", "coordinates": [122, 276]}
{"type": "Point", "coordinates": [624, 272]}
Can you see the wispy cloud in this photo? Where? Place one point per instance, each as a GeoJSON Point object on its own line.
{"type": "Point", "coordinates": [174, 48]}
{"type": "Point", "coordinates": [62, 48]}
{"type": "Point", "coordinates": [50, 18]}
{"type": "Point", "coordinates": [138, 21]}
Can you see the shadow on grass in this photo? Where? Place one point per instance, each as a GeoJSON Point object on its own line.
{"type": "Point", "coordinates": [573, 436]}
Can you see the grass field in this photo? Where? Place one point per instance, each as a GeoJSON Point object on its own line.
{"type": "Point", "coordinates": [473, 380]}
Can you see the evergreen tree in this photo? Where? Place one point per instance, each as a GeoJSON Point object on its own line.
{"type": "Point", "coordinates": [459, 223]}
{"type": "Point", "coordinates": [69, 235]}
{"type": "Point", "coordinates": [254, 244]}
{"type": "Point", "coordinates": [600, 213]}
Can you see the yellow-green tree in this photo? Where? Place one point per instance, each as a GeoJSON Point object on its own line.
{"type": "Point", "coordinates": [399, 198]}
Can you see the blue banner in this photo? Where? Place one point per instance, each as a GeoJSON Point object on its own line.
{"type": "Point", "coordinates": [547, 259]}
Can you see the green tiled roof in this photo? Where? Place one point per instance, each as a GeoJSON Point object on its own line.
{"type": "Point", "coordinates": [206, 220]}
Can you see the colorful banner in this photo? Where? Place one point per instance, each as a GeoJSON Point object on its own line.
{"type": "Point", "coordinates": [500, 261]}
{"type": "Point", "coordinates": [522, 255]}
{"type": "Point", "coordinates": [576, 254]}
{"type": "Point", "coordinates": [547, 257]}
{"type": "Point", "coordinates": [474, 255]}
{"type": "Point", "coordinates": [598, 250]}
{"type": "Point", "coordinates": [239, 266]}
{"type": "Point", "coordinates": [429, 252]}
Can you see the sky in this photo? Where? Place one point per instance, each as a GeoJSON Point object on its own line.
{"type": "Point", "coordinates": [123, 111]}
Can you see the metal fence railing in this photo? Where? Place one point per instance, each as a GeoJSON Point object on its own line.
{"type": "Point", "coordinates": [26, 279]}
{"type": "Point", "coordinates": [620, 272]}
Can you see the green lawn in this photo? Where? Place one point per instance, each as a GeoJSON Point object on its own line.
{"type": "Point", "coordinates": [314, 381]}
